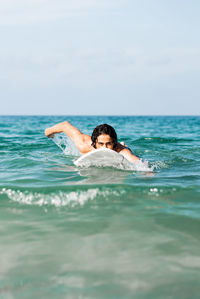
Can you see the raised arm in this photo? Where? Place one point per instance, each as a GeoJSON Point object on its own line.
{"type": "Point", "coordinates": [65, 127]}
{"type": "Point", "coordinates": [82, 141]}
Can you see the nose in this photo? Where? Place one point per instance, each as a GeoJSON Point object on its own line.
{"type": "Point", "coordinates": [105, 145]}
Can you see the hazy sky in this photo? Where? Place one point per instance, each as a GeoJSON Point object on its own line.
{"type": "Point", "coordinates": [100, 57]}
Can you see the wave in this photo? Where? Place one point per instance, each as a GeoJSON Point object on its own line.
{"type": "Point", "coordinates": [161, 140]}
{"type": "Point", "coordinates": [57, 199]}
{"type": "Point", "coordinates": [124, 194]}
{"type": "Point", "coordinates": [173, 161]}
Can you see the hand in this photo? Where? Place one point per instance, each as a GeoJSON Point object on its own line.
{"type": "Point", "coordinates": [49, 135]}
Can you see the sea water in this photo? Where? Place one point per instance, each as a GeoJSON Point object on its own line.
{"type": "Point", "coordinates": [69, 232]}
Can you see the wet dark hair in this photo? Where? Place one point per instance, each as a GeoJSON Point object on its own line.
{"type": "Point", "coordinates": [104, 129]}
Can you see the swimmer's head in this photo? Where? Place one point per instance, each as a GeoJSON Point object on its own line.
{"type": "Point", "coordinates": [104, 136]}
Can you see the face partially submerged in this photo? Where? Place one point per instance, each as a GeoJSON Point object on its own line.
{"type": "Point", "coordinates": [104, 141]}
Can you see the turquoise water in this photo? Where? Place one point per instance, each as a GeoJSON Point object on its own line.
{"type": "Point", "coordinates": [67, 232]}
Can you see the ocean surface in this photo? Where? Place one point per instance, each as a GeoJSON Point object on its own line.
{"type": "Point", "coordinates": [68, 232]}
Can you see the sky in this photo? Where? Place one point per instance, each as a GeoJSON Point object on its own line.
{"type": "Point", "coordinates": [99, 57]}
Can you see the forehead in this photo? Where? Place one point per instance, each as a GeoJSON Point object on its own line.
{"type": "Point", "coordinates": [104, 138]}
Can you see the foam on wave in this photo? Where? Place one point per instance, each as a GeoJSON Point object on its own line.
{"type": "Point", "coordinates": [58, 199]}
{"type": "Point", "coordinates": [139, 166]}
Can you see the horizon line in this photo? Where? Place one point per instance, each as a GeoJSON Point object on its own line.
{"type": "Point", "coordinates": [99, 115]}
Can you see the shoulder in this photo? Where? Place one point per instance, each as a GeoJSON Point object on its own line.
{"type": "Point", "coordinates": [121, 147]}
{"type": "Point", "coordinates": [85, 145]}
{"type": "Point", "coordinates": [127, 153]}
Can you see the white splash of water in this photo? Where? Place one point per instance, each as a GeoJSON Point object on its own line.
{"type": "Point", "coordinates": [159, 165]}
{"type": "Point", "coordinates": [127, 165]}
{"type": "Point", "coordinates": [139, 166]}
{"type": "Point", "coordinates": [65, 144]}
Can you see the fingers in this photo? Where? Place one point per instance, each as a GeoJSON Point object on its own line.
{"type": "Point", "coordinates": [47, 133]}
{"type": "Point", "coordinates": [51, 136]}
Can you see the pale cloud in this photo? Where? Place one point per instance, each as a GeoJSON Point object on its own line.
{"type": "Point", "coordinates": [19, 12]}
{"type": "Point", "coordinates": [175, 60]}
{"type": "Point", "coordinates": [69, 65]}
{"type": "Point", "coordinates": [86, 67]}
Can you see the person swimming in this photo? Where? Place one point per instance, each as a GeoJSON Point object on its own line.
{"type": "Point", "coordinates": [103, 136]}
